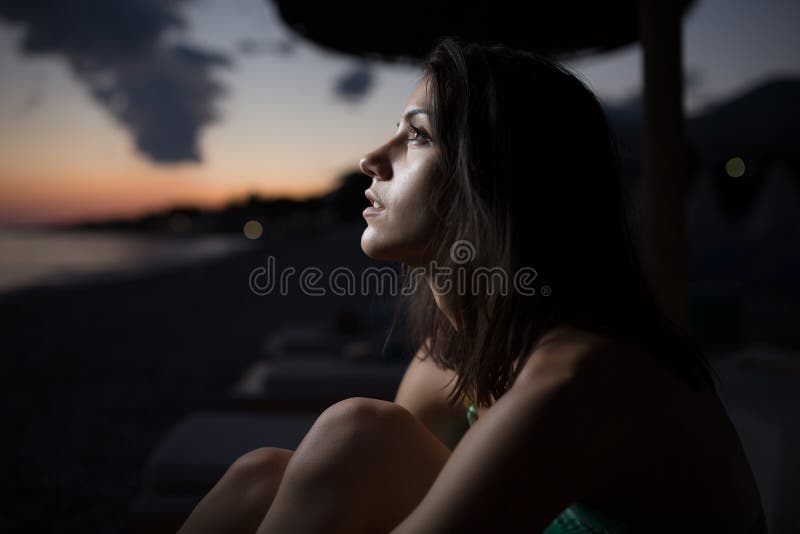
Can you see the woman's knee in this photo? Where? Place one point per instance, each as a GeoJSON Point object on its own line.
{"type": "Point", "coordinates": [239, 500]}
{"type": "Point", "coordinates": [359, 423]}
{"type": "Point", "coordinates": [367, 455]}
{"type": "Point", "coordinates": [255, 476]}
{"type": "Point", "coordinates": [259, 466]}
{"type": "Point", "coordinates": [359, 437]}
{"type": "Point", "coordinates": [363, 414]}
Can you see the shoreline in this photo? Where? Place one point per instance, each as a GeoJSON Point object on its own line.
{"type": "Point", "coordinates": [120, 255]}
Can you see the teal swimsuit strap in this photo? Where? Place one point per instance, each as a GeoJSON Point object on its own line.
{"type": "Point", "coordinates": [472, 414]}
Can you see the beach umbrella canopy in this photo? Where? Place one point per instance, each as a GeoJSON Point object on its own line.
{"type": "Point", "coordinates": [369, 29]}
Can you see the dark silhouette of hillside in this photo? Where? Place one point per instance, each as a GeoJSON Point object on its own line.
{"type": "Point", "coordinates": [761, 126]}
{"type": "Point", "coordinates": [277, 215]}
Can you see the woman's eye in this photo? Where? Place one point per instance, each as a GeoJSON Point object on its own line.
{"type": "Point", "coordinates": [417, 135]}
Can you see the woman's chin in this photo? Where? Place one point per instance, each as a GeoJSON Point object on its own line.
{"type": "Point", "coordinates": [377, 249]}
{"type": "Point", "coordinates": [371, 247]}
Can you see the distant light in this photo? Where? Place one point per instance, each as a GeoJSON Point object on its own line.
{"type": "Point", "coordinates": [179, 223]}
{"type": "Point", "coordinates": [735, 167]}
{"type": "Point", "coordinates": [253, 229]}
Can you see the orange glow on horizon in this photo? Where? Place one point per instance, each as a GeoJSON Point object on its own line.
{"type": "Point", "coordinates": [32, 199]}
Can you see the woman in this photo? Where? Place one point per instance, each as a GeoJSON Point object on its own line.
{"type": "Point", "coordinates": [589, 411]}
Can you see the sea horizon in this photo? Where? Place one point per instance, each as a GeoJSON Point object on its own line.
{"type": "Point", "coordinates": [41, 256]}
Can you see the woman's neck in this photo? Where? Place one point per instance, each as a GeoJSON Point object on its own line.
{"type": "Point", "coordinates": [444, 304]}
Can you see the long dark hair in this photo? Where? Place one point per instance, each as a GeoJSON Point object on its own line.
{"type": "Point", "coordinates": [530, 179]}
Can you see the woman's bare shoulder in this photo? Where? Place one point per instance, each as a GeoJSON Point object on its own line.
{"type": "Point", "coordinates": [559, 358]}
{"type": "Point", "coordinates": [604, 370]}
{"type": "Point", "coordinates": [566, 353]}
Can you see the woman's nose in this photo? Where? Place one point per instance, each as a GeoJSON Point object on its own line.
{"type": "Point", "coordinates": [376, 165]}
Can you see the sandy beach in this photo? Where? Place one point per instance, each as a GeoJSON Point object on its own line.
{"type": "Point", "coordinates": [94, 373]}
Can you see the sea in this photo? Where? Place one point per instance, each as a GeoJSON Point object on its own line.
{"type": "Point", "coordinates": [34, 257]}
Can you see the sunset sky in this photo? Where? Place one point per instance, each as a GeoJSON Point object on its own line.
{"type": "Point", "coordinates": [291, 117]}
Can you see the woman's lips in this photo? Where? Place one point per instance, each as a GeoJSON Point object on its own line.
{"type": "Point", "coordinates": [376, 208]}
{"type": "Point", "coordinates": [371, 211]}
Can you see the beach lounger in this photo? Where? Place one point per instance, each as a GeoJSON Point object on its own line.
{"type": "Point", "coordinates": [292, 385]}
{"type": "Point", "coordinates": [310, 368]}
{"type": "Point", "coordinates": [760, 388]}
{"type": "Point", "coordinates": [195, 453]}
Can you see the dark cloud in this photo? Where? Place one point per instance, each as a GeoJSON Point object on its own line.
{"type": "Point", "coordinates": [355, 83]}
{"type": "Point", "coordinates": [164, 94]}
{"type": "Point", "coordinates": [163, 99]}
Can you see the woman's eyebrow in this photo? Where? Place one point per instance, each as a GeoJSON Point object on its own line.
{"type": "Point", "coordinates": [414, 111]}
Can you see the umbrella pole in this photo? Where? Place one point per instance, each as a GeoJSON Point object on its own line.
{"type": "Point", "coordinates": [664, 165]}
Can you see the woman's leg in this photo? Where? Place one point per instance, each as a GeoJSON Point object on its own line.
{"type": "Point", "coordinates": [238, 502]}
{"type": "Point", "coordinates": [363, 467]}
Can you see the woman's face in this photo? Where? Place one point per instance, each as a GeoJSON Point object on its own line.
{"type": "Point", "coordinates": [403, 171]}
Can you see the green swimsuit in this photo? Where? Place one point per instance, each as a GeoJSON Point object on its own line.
{"type": "Point", "coordinates": [581, 519]}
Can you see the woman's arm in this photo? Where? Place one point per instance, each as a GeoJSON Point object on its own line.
{"type": "Point", "coordinates": [424, 391]}
{"type": "Point", "coordinates": [560, 434]}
